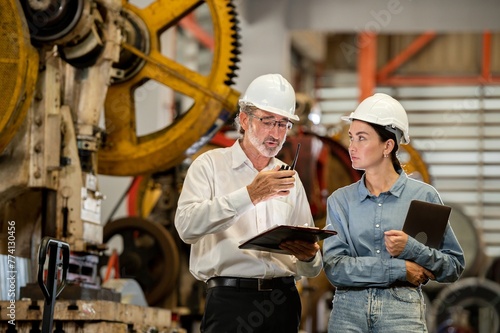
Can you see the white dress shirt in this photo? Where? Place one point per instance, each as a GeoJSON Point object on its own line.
{"type": "Point", "coordinates": [215, 215]}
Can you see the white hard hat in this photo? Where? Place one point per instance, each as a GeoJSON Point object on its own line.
{"type": "Point", "coordinates": [382, 109]}
{"type": "Point", "coordinates": [272, 93]}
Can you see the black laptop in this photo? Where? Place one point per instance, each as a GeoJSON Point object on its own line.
{"type": "Point", "coordinates": [426, 222]}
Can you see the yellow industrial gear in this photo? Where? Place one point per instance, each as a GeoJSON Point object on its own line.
{"type": "Point", "coordinates": [413, 163]}
{"type": "Point", "coordinates": [18, 69]}
{"type": "Point", "coordinates": [124, 152]}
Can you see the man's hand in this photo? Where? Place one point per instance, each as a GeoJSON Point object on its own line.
{"type": "Point", "coordinates": [416, 274]}
{"type": "Point", "coordinates": [271, 184]}
{"type": "Point", "coordinates": [395, 242]}
{"type": "Point", "coordinates": [304, 251]}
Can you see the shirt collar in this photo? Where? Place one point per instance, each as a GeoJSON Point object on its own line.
{"type": "Point", "coordinates": [395, 190]}
{"type": "Point", "coordinates": [239, 156]}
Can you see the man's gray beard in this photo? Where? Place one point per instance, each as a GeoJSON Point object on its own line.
{"type": "Point", "coordinates": [261, 147]}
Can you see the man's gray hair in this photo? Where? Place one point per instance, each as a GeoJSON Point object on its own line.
{"type": "Point", "coordinates": [247, 108]}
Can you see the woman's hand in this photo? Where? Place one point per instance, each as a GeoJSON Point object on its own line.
{"type": "Point", "coordinates": [416, 274]}
{"type": "Point", "coordinates": [395, 242]}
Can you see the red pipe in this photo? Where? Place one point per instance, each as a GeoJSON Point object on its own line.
{"type": "Point", "coordinates": [367, 64]}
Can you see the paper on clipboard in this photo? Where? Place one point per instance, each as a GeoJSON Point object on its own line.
{"type": "Point", "coordinates": [270, 239]}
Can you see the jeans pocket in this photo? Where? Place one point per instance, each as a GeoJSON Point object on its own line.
{"type": "Point", "coordinates": [408, 295]}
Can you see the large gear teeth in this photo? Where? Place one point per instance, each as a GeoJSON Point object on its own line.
{"type": "Point", "coordinates": [126, 153]}
{"type": "Point", "coordinates": [236, 44]}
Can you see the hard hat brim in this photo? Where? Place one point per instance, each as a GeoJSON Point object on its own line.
{"type": "Point", "coordinates": [271, 109]}
{"type": "Point", "coordinates": [405, 139]}
{"type": "Point", "coordinates": [346, 118]}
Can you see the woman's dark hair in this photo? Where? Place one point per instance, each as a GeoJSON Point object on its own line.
{"type": "Point", "coordinates": [384, 136]}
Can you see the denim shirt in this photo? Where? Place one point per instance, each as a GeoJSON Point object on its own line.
{"type": "Point", "coordinates": [357, 257]}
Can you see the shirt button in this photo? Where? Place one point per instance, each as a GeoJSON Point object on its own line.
{"type": "Point", "coordinates": [378, 251]}
{"type": "Point", "coordinates": [377, 225]}
{"type": "Point", "coordinates": [380, 205]}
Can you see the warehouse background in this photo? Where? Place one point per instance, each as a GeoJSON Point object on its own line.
{"type": "Point", "coordinates": [441, 59]}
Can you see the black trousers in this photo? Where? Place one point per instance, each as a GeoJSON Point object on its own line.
{"type": "Point", "coordinates": [235, 310]}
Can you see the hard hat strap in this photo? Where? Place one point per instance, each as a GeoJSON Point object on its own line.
{"type": "Point", "coordinates": [396, 132]}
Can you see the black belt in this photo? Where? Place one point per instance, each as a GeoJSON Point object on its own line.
{"type": "Point", "coordinates": [397, 284]}
{"type": "Point", "coordinates": [251, 283]}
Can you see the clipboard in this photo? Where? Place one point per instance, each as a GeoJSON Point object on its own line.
{"type": "Point", "coordinates": [426, 222]}
{"type": "Point", "coordinates": [270, 239]}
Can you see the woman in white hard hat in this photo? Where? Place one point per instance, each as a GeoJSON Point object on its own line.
{"type": "Point", "coordinates": [377, 269]}
{"type": "Point", "coordinates": [232, 194]}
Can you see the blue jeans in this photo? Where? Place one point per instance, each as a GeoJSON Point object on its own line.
{"type": "Point", "coordinates": [378, 310]}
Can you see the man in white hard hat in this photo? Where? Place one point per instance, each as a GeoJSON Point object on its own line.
{"type": "Point", "coordinates": [232, 194]}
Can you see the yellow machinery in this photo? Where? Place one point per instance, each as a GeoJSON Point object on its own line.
{"type": "Point", "coordinates": [69, 71]}
{"type": "Point", "coordinates": [92, 63]}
